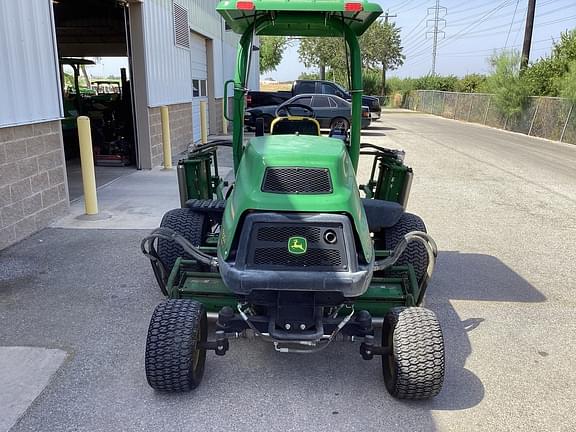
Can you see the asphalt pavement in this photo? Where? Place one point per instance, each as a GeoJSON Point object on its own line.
{"type": "Point", "coordinates": [501, 207]}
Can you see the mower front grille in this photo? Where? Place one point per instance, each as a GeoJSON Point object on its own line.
{"type": "Point", "coordinates": [313, 258]}
{"type": "Point", "coordinates": [297, 181]}
{"type": "Point", "coordinates": [283, 233]}
{"type": "Point", "coordinates": [268, 247]}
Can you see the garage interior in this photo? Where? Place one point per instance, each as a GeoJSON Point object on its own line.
{"type": "Point", "coordinates": [96, 28]}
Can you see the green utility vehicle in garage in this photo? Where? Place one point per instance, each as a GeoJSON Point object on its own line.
{"type": "Point", "coordinates": [291, 252]}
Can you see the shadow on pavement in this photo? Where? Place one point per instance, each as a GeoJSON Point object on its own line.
{"type": "Point", "coordinates": [472, 277]}
{"type": "Point", "coordinates": [382, 128]}
{"type": "Point", "coordinates": [376, 134]}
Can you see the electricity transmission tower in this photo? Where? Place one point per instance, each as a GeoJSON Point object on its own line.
{"type": "Point", "coordinates": [438, 23]}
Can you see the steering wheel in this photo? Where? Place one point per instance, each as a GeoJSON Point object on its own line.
{"type": "Point", "coordinates": [284, 110]}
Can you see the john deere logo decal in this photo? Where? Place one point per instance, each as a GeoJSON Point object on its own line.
{"type": "Point", "coordinates": [297, 245]}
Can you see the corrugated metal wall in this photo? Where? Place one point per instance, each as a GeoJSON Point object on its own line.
{"type": "Point", "coordinates": [29, 81]}
{"type": "Point", "coordinates": [168, 67]}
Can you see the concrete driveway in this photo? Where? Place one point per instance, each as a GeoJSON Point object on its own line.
{"type": "Point", "coordinates": [501, 207]}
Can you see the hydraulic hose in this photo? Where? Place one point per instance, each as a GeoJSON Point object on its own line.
{"type": "Point", "coordinates": [419, 236]}
{"type": "Point", "coordinates": [171, 235]}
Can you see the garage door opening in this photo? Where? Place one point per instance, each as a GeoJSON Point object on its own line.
{"type": "Point", "coordinates": [93, 49]}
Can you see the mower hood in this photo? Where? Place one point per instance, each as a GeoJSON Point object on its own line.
{"type": "Point", "coordinates": [291, 154]}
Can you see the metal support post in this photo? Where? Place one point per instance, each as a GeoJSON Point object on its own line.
{"type": "Point", "coordinates": [566, 124]}
{"type": "Point", "coordinates": [87, 164]}
{"type": "Point", "coordinates": [224, 121]}
{"type": "Point", "coordinates": [534, 117]}
{"type": "Point", "coordinates": [487, 108]}
{"type": "Point", "coordinates": [166, 145]}
{"type": "Point", "coordinates": [204, 121]}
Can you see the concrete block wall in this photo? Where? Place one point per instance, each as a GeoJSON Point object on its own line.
{"type": "Point", "coordinates": [180, 130]}
{"type": "Point", "coordinates": [216, 117]}
{"type": "Point", "coordinates": [33, 186]}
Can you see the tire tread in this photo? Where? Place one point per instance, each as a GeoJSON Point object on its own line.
{"type": "Point", "coordinates": [418, 347]}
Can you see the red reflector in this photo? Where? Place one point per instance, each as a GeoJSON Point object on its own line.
{"type": "Point", "coordinates": [353, 7]}
{"type": "Point", "coordinates": [244, 5]}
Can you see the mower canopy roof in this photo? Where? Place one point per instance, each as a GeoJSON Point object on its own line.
{"type": "Point", "coordinates": [298, 17]}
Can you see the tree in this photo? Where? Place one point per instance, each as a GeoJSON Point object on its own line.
{"type": "Point", "coordinates": [544, 76]}
{"type": "Point", "coordinates": [271, 52]}
{"type": "Point", "coordinates": [323, 52]}
{"type": "Point", "coordinates": [381, 48]}
{"type": "Point", "coordinates": [506, 83]}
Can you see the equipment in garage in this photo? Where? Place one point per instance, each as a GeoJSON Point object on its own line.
{"type": "Point", "coordinates": [96, 29]}
{"type": "Point", "coordinates": [110, 117]}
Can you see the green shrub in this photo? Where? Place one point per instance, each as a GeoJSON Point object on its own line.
{"type": "Point", "coordinates": [372, 82]}
{"type": "Point", "coordinates": [510, 91]}
{"type": "Point", "coordinates": [567, 83]}
{"type": "Point", "coordinates": [436, 82]}
{"type": "Point", "coordinates": [309, 76]}
{"type": "Point", "coordinates": [471, 83]}
{"type": "Point", "coordinates": [400, 85]}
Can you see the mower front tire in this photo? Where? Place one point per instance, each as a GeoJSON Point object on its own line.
{"type": "Point", "coordinates": [175, 357]}
{"type": "Point", "coordinates": [414, 365]}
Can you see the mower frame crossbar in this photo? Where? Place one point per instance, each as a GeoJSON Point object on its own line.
{"type": "Point", "coordinates": [397, 287]}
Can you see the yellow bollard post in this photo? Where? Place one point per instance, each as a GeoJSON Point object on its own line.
{"type": "Point", "coordinates": [224, 121]}
{"type": "Point", "coordinates": [166, 145]}
{"type": "Point", "coordinates": [87, 164]}
{"type": "Point", "coordinates": [203, 122]}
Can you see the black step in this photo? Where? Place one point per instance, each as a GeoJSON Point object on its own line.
{"type": "Point", "coordinates": [206, 205]}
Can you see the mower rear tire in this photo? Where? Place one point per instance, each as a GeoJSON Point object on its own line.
{"type": "Point", "coordinates": [174, 358]}
{"type": "Point", "coordinates": [415, 253]}
{"type": "Point", "coordinates": [414, 367]}
{"type": "Point", "coordinates": [191, 225]}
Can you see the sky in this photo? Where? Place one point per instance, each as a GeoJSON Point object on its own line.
{"type": "Point", "coordinates": [472, 31]}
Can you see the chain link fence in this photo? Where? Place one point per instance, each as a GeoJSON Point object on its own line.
{"type": "Point", "coordinates": [544, 117]}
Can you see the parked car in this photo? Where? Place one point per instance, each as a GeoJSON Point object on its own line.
{"type": "Point", "coordinates": [331, 111]}
{"type": "Point", "coordinates": [259, 98]}
{"type": "Point", "coordinates": [332, 88]}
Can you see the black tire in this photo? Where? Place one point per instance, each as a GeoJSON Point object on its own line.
{"type": "Point", "coordinates": [415, 253]}
{"type": "Point", "coordinates": [340, 122]}
{"type": "Point", "coordinates": [174, 360]}
{"type": "Point", "coordinates": [190, 224]}
{"type": "Point", "coordinates": [414, 369]}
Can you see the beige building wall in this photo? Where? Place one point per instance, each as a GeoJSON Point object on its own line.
{"type": "Point", "coordinates": [33, 186]}
{"type": "Point", "coordinates": [180, 130]}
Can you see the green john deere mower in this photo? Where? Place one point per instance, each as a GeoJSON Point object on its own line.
{"type": "Point", "coordinates": [291, 252]}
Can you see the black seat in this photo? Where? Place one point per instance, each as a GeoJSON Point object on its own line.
{"type": "Point", "coordinates": [292, 125]}
{"type": "Point", "coordinates": [381, 214]}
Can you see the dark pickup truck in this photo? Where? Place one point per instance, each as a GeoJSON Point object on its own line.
{"type": "Point", "coordinates": [258, 98]}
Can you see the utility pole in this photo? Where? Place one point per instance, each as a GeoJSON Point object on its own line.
{"type": "Point", "coordinates": [386, 16]}
{"type": "Point", "coordinates": [528, 34]}
{"type": "Point", "coordinates": [436, 30]}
